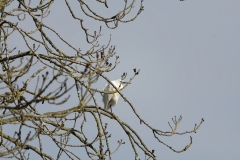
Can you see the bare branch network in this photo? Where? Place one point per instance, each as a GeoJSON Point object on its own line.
{"type": "Point", "coordinates": [44, 75]}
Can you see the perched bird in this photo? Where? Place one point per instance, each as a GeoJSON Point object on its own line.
{"type": "Point", "coordinates": [110, 100]}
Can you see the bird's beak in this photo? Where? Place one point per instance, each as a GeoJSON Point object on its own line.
{"type": "Point", "coordinates": [125, 82]}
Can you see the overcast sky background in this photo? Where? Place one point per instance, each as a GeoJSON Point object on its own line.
{"type": "Point", "coordinates": [189, 54]}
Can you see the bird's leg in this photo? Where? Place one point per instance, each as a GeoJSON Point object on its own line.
{"type": "Point", "coordinates": [111, 107]}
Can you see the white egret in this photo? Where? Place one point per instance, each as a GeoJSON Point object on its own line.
{"type": "Point", "coordinates": [111, 100]}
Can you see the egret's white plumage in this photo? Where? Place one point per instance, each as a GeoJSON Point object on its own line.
{"type": "Point", "coordinates": [110, 100]}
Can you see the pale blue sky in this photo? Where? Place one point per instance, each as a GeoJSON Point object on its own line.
{"type": "Point", "coordinates": [189, 54]}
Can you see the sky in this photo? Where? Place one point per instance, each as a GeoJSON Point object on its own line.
{"type": "Point", "coordinates": [188, 53]}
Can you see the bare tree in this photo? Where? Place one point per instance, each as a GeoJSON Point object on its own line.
{"type": "Point", "coordinates": [55, 75]}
